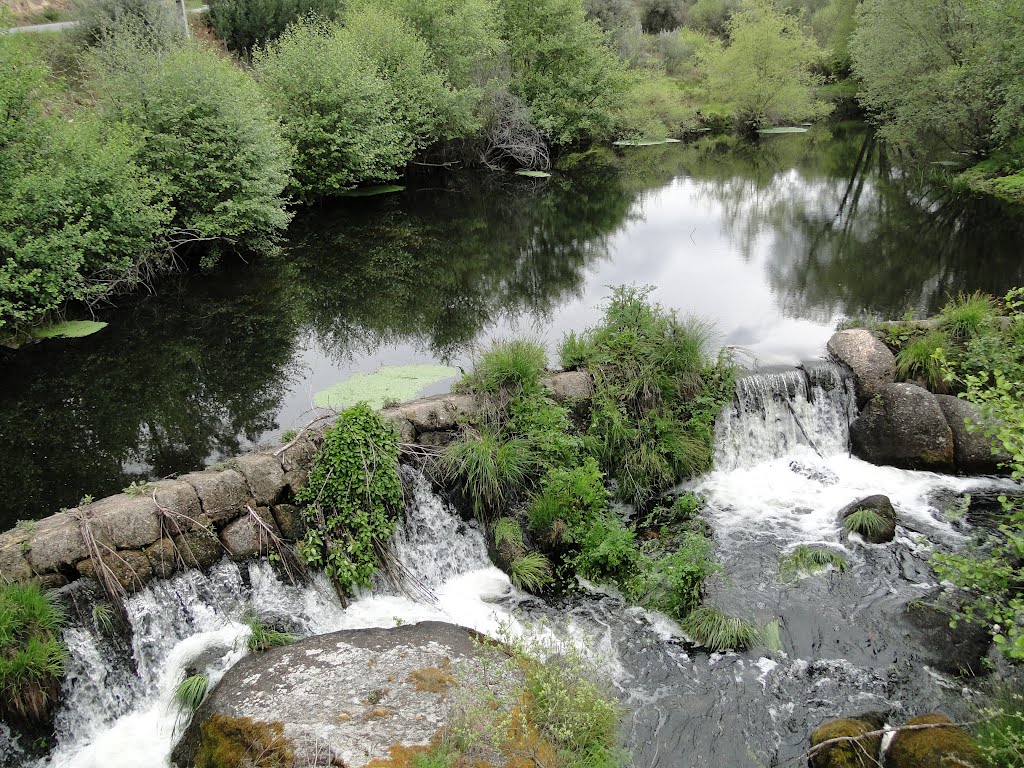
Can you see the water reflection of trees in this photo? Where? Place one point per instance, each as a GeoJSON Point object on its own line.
{"type": "Point", "coordinates": [850, 234]}
{"type": "Point", "coordinates": [188, 375]}
{"type": "Point", "coordinates": [448, 265]}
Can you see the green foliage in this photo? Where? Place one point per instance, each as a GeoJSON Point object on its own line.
{"type": "Point", "coordinates": [261, 637]}
{"type": "Point", "coordinates": [866, 522]}
{"type": "Point", "coordinates": [568, 498]}
{"type": "Point", "coordinates": [967, 315]}
{"type": "Point", "coordinates": [352, 497]}
{"type": "Point", "coordinates": [508, 532]}
{"type": "Point", "coordinates": [209, 139]}
{"type": "Point", "coordinates": [657, 395]}
{"type": "Point", "coordinates": [766, 71]}
{"type": "Point", "coordinates": [917, 360]}
{"type": "Point", "coordinates": [999, 732]}
{"type": "Point", "coordinates": [152, 22]}
{"type": "Point", "coordinates": [247, 24]}
{"type": "Point", "coordinates": [805, 559]}
{"type": "Point", "coordinates": [563, 69]}
{"type": "Point", "coordinates": [356, 101]}
{"type": "Point", "coordinates": [190, 693]}
{"type": "Point", "coordinates": [718, 631]}
{"type": "Point", "coordinates": [607, 550]}
{"type": "Point", "coordinates": [512, 366]}
{"type": "Point", "coordinates": [531, 572]}
{"type": "Point", "coordinates": [439, 756]}
{"type": "Point", "coordinates": [486, 468]}
{"type": "Point", "coordinates": [32, 657]}
{"type": "Point", "coordinates": [390, 383]}
{"type": "Point", "coordinates": [573, 352]}
{"type": "Point", "coordinates": [240, 742]}
{"type": "Point", "coordinates": [674, 583]}
{"type": "Point", "coordinates": [547, 428]}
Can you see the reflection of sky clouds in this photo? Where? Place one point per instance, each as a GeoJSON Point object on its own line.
{"type": "Point", "coordinates": [678, 239]}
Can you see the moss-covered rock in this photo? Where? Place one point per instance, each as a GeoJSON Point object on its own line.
{"type": "Point", "coordinates": [859, 753]}
{"type": "Point", "coordinates": [942, 747]}
{"type": "Point", "coordinates": [241, 742]}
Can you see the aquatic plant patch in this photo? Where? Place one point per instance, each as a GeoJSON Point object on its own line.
{"type": "Point", "coordinates": [396, 383]}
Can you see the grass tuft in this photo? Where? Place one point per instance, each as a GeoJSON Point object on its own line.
{"type": "Point", "coordinates": [32, 657]}
{"type": "Point", "coordinates": [531, 572]}
{"type": "Point", "coordinates": [262, 638]}
{"type": "Point", "coordinates": [967, 315]}
{"type": "Point", "coordinates": [917, 360]}
{"type": "Point", "coordinates": [190, 693]}
{"type": "Point", "coordinates": [486, 468]}
{"type": "Point", "coordinates": [508, 532]}
{"type": "Point", "coordinates": [866, 522]}
{"type": "Point", "coordinates": [805, 559]}
{"type": "Point", "coordinates": [511, 366]}
{"type": "Point", "coordinates": [718, 631]}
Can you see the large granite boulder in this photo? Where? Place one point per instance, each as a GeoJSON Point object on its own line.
{"type": "Point", "coordinates": [852, 748]}
{"type": "Point", "coordinates": [904, 426]}
{"type": "Point", "coordinates": [350, 697]}
{"type": "Point", "coordinates": [872, 363]}
{"type": "Point", "coordinates": [942, 746]}
{"type": "Point", "coordinates": [972, 450]}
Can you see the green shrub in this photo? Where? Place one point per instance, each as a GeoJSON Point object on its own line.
{"type": "Point", "coordinates": [508, 532]}
{"type": "Point", "coordinates": [866, 522]}
{"type": "Point", "coordinates": [805, 559]}
{"type": "Point", "coordinates": [574, 351]}
{"type": "Point", "coordinates": [190, 692]}
{"type": "Point", "coordinates": [657, 395]}
{"type": "Point", "coordinates": [352, 498]}
{"type": "Point", "coordinates": [563, 69]}
{"type": "Point", "coordinates": [568, 498]}
{"type": "Point", "coordinates": [655, 108]}
{"type": "Point", "coordinates": [547, 428]}
{"type": "Point", "coordinates": [32, 657]}
{"type": "Point", "coordinates": [718, 631]}
{"type": "Point", "coordinates": [79, 220]}
{"type": "Point", "coordinates": [487, 469]}
{"type": "Point", "coordinates": [967, 315]}
{"type": "Point", "coordinates": [151, 22]}
{"type": "Point", "coordinates": [607, 550]}
{"type": "Point", "coordinates": [674, 583]}
{"type": "Point", "coordinates": [531, 572]}
{"type": "Point", "coordinates": [247, 24]}
{"type": "Point", "coordinates": [209, 139]}
{"type": "Point", "coordinates": [513, 366]}
{"type": "Point", "coordinates": [917, 360]}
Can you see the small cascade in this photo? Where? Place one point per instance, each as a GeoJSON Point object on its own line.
{"type": "Point", "coordinates": [775, 411]}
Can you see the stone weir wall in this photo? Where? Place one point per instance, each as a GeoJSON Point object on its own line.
{"type": "Point", "coordinates": [238, 507]}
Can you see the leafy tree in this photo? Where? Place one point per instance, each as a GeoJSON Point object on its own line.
{"type": "Point", "coordinates": [357, 102]}
{"type": "Point", "coordinates": [152, 21]}
{"type": "Point", "coordinates": [246, 24]}
{"type": "Point", "coordinates": [765, 71]}
{"type": "Point", "coordinates": [563, 68]}
{"type": "Point", "coordinates": [209, 138]}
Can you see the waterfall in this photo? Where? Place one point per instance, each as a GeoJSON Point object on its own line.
{"type": "Point", "coordinates": [776, 411]}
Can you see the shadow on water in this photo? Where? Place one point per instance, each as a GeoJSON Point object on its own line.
{"type": "Point", "coordinates": [806, 227]}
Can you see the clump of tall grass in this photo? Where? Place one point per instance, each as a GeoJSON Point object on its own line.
{"type": "Point", "coordinates": [32, 657]}
{"type": "Point", "coordinates": [867, 522]}
{"type": "Point", "coordinates": [918, 360]}
{"type": "Point", "coordinates": [999, 732]}
{"type": "Point", "coordinates": [967, 315]}
{"type": "Point", "coordinates": [531, 572]}
{"type": "Point", "coordinates": [262, 637]}
{"type": "Point", "coordinates": [805, 559]}
{"type": "Point", "coordinates": [514, 365]}
{"type": "Point", "coordinates": [717, 631]}
{"type": "Point", "coordinates": [190, 692]}
{"type": "Point", "coordinates": [486, 468]}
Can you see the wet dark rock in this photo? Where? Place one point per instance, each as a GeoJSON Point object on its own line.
{"type": "Point", "coordinates": [903, 426]}
{"type": "Point", "coordinates": [223, 493]}
{"type": "Point", "coordinates": [972, 451]}
{"type": "Point", "coordinates": [932, 747]}
{"type": "Point", "coordinates": [246, 537]}
{"type": "Point", "coordinates": [872, 363]}
{"type": "Point", "coordinates": [883, 507]}
{"type": "Point", "coordinates": [352, 693]}
{"type": "Point", "coordinates": [846, 754]}
{"type": "Point", "coordinates": [131, 568]}
{"type": "Point", "coordinates": [289, 520]}
{"type": "Point", "coordinates": [959, 651]}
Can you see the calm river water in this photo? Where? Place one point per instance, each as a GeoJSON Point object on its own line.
{"type": "Point", "coordinates": [774, 242]}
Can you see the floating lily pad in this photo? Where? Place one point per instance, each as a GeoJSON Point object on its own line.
{"type": "Point", "coordinates": [783, 129]}
{"type": "Point", "coordinates": [533, 174]}
{"type": "Point", "coordinates": [70, 329]}
{"type": "Point", "coordinates": [391, 383]}
{"type": "Point", "coordinates": [645, 142]}
{"type": "Point", "coordinates": [383, 189]}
